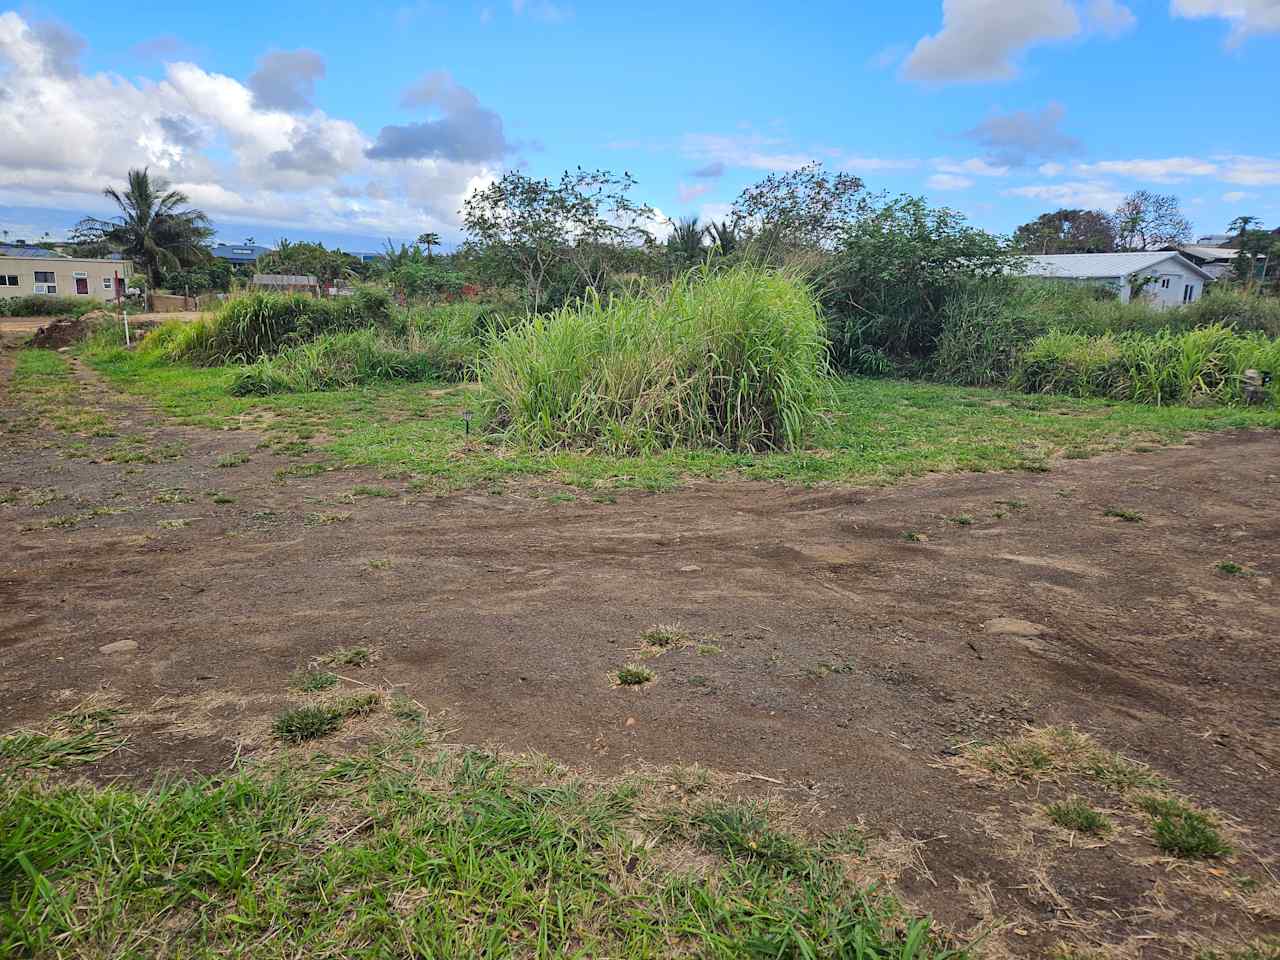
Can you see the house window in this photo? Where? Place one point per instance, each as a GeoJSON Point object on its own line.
{"type": "Point", "coordinates": [82, 285]}
{"type": "Point", "coordinates": [1188, 293]}
{"type": "Point", "coordinates": [44, 276]}
{"type": "Point", "coordinates": [106, 283]}
{"type": "Point", "coordinates": [51, 290]}
{"type": "Point", "coordinates": [4, 281]}
{"type": "Point", "coordinates": [1165, 283]}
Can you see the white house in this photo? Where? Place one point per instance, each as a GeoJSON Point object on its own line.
{"type": "Point", "coordinates": [25, 271]}
{"type": "Point", "coordinates": [1165, 278]}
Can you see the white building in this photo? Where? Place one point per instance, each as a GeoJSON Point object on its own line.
{"type": "Point", "coordinates": [27, 271]}
{"type": "Point", "coordinates": [1165, 278]}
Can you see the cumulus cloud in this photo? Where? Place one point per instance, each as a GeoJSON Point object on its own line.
{"type": "Point", "coordinates": [464, 130]}
{"type": "Point", "coordinates": [1166, 170]}
{"type": "Point", "coordinates": [1018, 138]}
{"type": "Point", "coordinates": [949, 181]}
{"type": "Point", "coordinates": [286, 80]}
{"type": "Point", "coordinates": [62, 47]}
{"type": "Point", "coordinates": [974, 166]}
{"type": "Point", "coordinates": [981, 40]}
{"type": "Point", "coordinates": [212, 136]}
{"type": "Point", "coordinates": [1236, 196]}
{"type": "Point", "coordinates": [1088, 194]}
{"type": "Point", "coordinates": [1245, 16]}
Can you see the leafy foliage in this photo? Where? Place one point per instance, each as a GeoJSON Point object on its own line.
{"type": "Point", "coordinates": [1149, 221]}
{"type": "Point", "coordinates": [807, 208]}
{"type": "Point", "coordinates": [1067, 231]}
{"type": "Point", "coordinates": [155, 228]}
{"type": "Point", "coordinates": [311, 259]}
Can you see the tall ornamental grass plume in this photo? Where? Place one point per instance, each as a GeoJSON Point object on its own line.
{"type": "Point", "coordinates": [734, 359]}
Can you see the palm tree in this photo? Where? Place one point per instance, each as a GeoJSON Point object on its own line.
{"type": "Point", "coordinates": [724, 237]}
{"type": "Point", "coordinates": [1240, 225]}
{"type": "Point", "coordinates": [685, 241]}
{"type": "Point", "coordinates": [429, 240]}
{"type": "Point", "coordinates": [155, 228]}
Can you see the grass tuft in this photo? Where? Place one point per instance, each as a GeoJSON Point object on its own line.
{"type": "Point", "coordinates": [1183, 832]}
{"type": "Point", "coordinates": [1128, 516]}
{"type": "Point", "coordinates": [1077, 815]}
{"type": "Point", "coordinates": [633, 675]}
{"type": "Point", "coordinates": [313, 681]}
{"type": "Point", "coordinates": [664, 636]}
{"type": "Point", "coordinates": [348, 657]}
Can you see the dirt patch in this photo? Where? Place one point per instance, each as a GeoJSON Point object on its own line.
{"type": "Point", "coordinates": [60, 332]}
{"type": "Point", "coordinates": [825, 653]}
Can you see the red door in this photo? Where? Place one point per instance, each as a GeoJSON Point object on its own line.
{"type": "Point", "coordinates": [82, 285]}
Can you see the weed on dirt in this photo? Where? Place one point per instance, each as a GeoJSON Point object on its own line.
{"type": "Point", "coordinates": [633, 675]}
{"type": "Point", "coordinates": [1078, 815]}
{"type": "Point", "coordinates": [1181, 831]}
{"type": "Point", "coordinates": [348, 657]}
{"type": "Point", "coordinates": [313, 681]}
{"type": "Point", "coordinates": [664, 636]}
{"type": "Point", "coordinates": [1128, 516]}
{"type": "Point", "coordinates": [82, 735]}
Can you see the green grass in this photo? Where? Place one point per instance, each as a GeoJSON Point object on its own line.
{"type": "Point", "coordinates": [1128, 516]}
{"type": "Point", "coordinates": [313, 681]}
{"type": "Point", "coordinates": [1183, 832]}
{"type": "Point", "coordinates": [348, 657]}
{"type": "Point", "coordinates": [1077, 815]}
{"type": "Point", "coordinates": [664, 635]}
{"type": "Point", "coordinates": [311, 722]}
{"type": "Point", "coordinates": [406, 852]}
{"type": "Point", "coordinates": [633, 675]}
{"type": "Point", "coordinates": [877, 431]}
{"type": "Point", "coordinates": [1231, 568]}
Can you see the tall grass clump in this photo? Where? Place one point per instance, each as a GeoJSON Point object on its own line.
{"type": "Point", "coordinates": [1202, 365]}
{"type": "Point", "coordinates": [247, 328]}
{"type": "Point", "coordinates": [986, 325]}
{"type": "Point", "coordinates": [730, 360]}
{"type": "Point", "coordinates": [336, 361]}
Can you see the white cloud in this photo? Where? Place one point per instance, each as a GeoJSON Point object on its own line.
{"type": "Point", "coordinates": [974, 166]}
{"type": "Point", "coordinates": [1165, 170]}
{"type": "Point", "coordinates": [948, 181]}
{"type": "Point", "coordinates": [1110, 17]}
{"type": "Point", "coordinates": [206, 133]}
{"type": "Point", "coordinates": [1090, 194]}
{"type": "Point", "coordinates": [1236, 196]}
{"type": "Point", "coordinates": [1051, 169]}
{"type": "Point", "coordinates": [980, 39]}
{"type": "Point", "coordinates": [1251, 171]}
{"type": "Point", "coordinates": [756, 151]}
{"type": "Point", "coordinates": [1245, 16]}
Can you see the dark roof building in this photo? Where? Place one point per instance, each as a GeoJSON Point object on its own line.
{"type": "Point", "coordinates": [31, 253]}
{"type": "Point", "coordinates": [239, 252]}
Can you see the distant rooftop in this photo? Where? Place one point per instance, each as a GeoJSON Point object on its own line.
{"type": "Point", "coordinates": [283, 280]}
{"type": "Point", "coordinates": [240, 252]}
{"type": "Point", "coordinates": [1098, 266]}
{"type": "Point", "coordinates": [23, 250]}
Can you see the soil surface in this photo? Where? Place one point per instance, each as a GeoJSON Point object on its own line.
{"type": "Point", "coordinates": [826, 650]}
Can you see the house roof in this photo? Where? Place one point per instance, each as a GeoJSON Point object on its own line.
{"type": "Point", "coordinates": [283, 280]}
{"type": "Point", "coordinates": [1101, 266]}
{"type": "Point", "coordinates": [29, 253]}
{"type": "Point", "coordinates": [239, 252]}
{"type": "Point", "coordinates": [1210, 253]}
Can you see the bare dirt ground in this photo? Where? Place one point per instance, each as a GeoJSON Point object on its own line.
{"type": "Point", "coordinates": [17, 325]}
{"type": "Point", "coordinates": [826, 652]}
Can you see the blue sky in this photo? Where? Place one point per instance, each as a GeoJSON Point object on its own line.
{"type": "Point", "coordinates": [351, 122]}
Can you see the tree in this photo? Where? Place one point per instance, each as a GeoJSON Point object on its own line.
{"type": "Point", "coordinates": [1242, 225]}
{"type": "Point", "coordinates": [804, 208]}
{"type": "Point", "coordinates": [155, 227]}
{"type": "Point", "coordinates": [685, 242]}
{"type": "Point", "coordinates": [1067, 231]}
{"type": "Point", "coordinates": [724, 237]}
{"type": "Point", "coordinates": [310, 259]}
{"type": "Point", "coordinates": [429, 240]}
{"type": "Point", "coordinates": [1148, 221]}
{"type": "Point", "coordinates": [539, 231]}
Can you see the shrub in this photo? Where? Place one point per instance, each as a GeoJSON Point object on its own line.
{"type": "Point", "coordinates": [984, 328]}
{"type": "Point", "coordinates": [733, 360]}
{"type": "Point", "coordinates": [335, 361]}
{"type": "Point", "coordinates": [1201, 365]}
{"type": "Point", "coordinates": [39, 305]}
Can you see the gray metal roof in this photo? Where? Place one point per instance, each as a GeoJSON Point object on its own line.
{"type": "Point", "coordinates": [1210, 253]}
{"type": "Point", "coordinates": [1101, 266]}
{"type": "Point", "coordinates": [33, 253]}
{"type": "Point", "coordinates": [283, 280]}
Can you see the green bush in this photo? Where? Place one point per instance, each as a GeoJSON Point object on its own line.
{"type": "Point", "coordinates": [39, 305]}
{"type": "Point", "coordinates": [733, 360]}
{"type": "Point", "coordinates": [336, 361]}
{"type": "Point", "coordinates": [984, 329]}
{"type": "Point", "coordinates": [1201, 365]}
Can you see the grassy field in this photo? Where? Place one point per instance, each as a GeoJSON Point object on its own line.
{"type": "Point", "coordinates": [410, 850]}
{"type": "Point", "coordinates": [876, 430]}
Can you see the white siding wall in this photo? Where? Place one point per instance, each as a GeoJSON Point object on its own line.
{"type": "Point", "coordinates": [1170, 286]}
{"type": "Point", "coordinates": [18, 277]}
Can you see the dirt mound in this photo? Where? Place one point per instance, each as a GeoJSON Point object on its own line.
{"type": "Point", "coordinates": [60, 332]}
